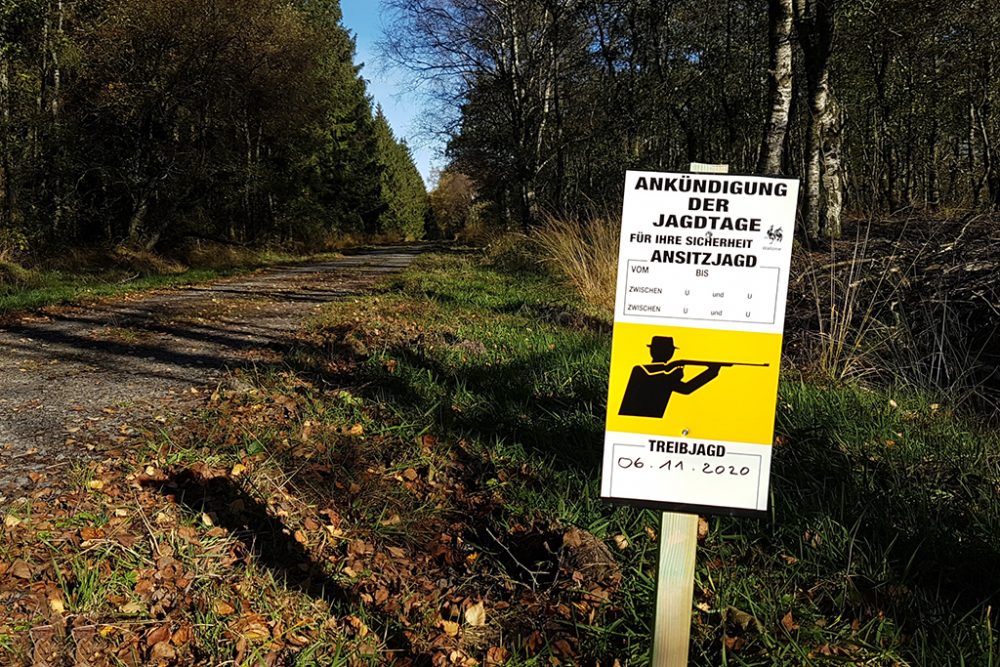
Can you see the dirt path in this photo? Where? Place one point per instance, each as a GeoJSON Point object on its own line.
{"type": "Point", "coordinates": [71, 373]}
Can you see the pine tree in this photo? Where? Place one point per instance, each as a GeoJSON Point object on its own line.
{"type": "Point", "coordinates": [402, 192]}
{"type": "Point", "coordinates": [343, 173]}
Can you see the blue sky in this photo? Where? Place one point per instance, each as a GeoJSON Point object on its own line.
{"type": "Point", "coordinates": [390, 88]}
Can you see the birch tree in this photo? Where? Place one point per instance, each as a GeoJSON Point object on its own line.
{"type": "Point", "coordinates": [504, 64]}
{"type": "Point", "coordinates": [815, 22]}
{"type": "Point", "coordinates": [780, 42]}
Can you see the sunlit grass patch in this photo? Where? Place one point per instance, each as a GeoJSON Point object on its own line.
{"type": "Point", "coordinates": [86, 277]}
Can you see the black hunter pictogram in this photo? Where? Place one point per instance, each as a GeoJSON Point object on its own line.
{"type": "Point", "coordinates": [651, 385]}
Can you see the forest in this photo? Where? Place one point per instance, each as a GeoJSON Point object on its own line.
{"type": "Point", "coordinates": [143, 123]}
{"type": "Point", "coordinates": [249, 121]}
{"type": "Point", "coordinates": [883, 108]}
{"type": "Point", "coordinates": [265, 400]}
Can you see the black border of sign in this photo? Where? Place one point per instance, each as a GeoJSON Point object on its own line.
{"type": "Point", "coordinates": [731, 174]}
{"type": "Point", "coordinates": [684, 508]}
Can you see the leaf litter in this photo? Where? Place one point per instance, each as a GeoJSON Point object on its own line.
{"type": "Point", "coordinates": [159, 553]}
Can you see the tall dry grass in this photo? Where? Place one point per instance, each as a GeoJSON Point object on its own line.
{"type": "Point", "coordinates": [585, 253]}
{"type": "Point", "coordinates": [878, 319]}
{"type": "Point", "coordinates": [851, 301]}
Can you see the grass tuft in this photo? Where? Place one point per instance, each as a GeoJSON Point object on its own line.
{"type": "Point", "coordinates": [585, 253]}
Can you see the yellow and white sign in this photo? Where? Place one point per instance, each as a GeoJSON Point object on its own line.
{"type": "Point", "coordinates": [702, 284]}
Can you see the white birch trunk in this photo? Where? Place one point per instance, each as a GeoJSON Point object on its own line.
{"type": "Point", "coordinates": [780, 83]}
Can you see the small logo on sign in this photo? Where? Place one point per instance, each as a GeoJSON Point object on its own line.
{"type": "Point", "coordinates": [775, 235]}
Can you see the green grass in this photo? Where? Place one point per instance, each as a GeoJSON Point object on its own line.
{"type": "Point", "coordinates": [884, 531]}
{"type": "Point", "coordinates": [27, 289]}
{"type": "Point", "coordinates": [54, 288]}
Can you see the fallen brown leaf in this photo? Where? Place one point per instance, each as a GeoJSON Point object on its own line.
{"type": "Point", "coordinates": [734, 644]}
{"type": "Point", "coordinates": [476, 615]}
{"type": "Point", "coordinates": [182, 636]}
{"type": "Point", "coordinates": [160, 634]}
{"type": "Point", "coordinates": [496, 655]}
{"type": "Point", "coordinates": [222, 608]}
{"type": "Point", "coordinates": [562, 648]}
{"type": "Point", "coordinates": [20, 569]}
{"type": "Point", "coordinates": [788, 622]}
{"type": "Point", "coordinates": [163, 652]}
{"type": "Point", "coordinates": [131, 608]}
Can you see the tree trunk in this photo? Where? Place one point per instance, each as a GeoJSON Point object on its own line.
{"type": "Point", "coordinates": [814, 149]}
{"type": "Point", "coordinates": [56, 70]}
{"type": "Point", "coordinates": [831, 123]}
{"type": "Point", "coordinates": [772, 154]}
{"type": "Point", "coordinates": [9, 191]}
{"type": "Point", "coordinates": [137, 221]}
{"type": "Point", "coordinates": [975, 185]}
{"type": "Point", "coordinates": [887, 177]}
{"type": "Point", "coordinates": [814, 21]}
{"type": "Point", "coordinates": [991, 175]}
{"type": "Point", "coordinates": [933, 177]}
{"type": "Point", "coordinates": [56, 46]}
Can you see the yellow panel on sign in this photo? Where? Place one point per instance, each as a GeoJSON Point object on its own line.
{"type": "Point", "coordinates": [716, 385]}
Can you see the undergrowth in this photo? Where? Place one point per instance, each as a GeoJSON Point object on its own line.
{"type": "Point", "coordinates": [585, 253]}
{"type": "Point", "coordinates": [418, 483]}
{"type": "Point", "coordinates": [910, 303]}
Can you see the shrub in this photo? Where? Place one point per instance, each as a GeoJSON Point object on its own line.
{"type": "Point", "coordinates": [584, 252]}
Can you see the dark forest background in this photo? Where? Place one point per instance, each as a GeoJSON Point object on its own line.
{"type": "Point", "coordinates": [140, 123]}
{"type": "Point", "coordinates": [882, 107]}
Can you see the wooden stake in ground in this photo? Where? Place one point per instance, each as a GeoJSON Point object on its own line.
{"type": "Point", "coordinates": [675, 589]}
{"type": "Point", "coordinates": [675, 575]}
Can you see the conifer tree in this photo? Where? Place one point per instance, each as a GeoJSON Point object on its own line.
{"type": "Point", "coordinates": [403, 195]}
{"type": "Point", "coordinates": [344, 173]}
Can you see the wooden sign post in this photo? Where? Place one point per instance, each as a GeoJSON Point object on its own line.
{"type": "Point", "coordinates": [678, 553]}
{"type": "Point", "coordinates": [699, 316]}
{"type": "Point", "coordinates": [675, 589]}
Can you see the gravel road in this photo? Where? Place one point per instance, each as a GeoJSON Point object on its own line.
{"type": "Point", "coordinates": [69, 374]}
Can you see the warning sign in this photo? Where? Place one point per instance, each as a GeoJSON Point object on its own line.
{"type": "Point", "coordinates": [702, 282]}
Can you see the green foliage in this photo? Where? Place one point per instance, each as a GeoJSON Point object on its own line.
{"type": "Point", "coordinates": [452, 205]}
{"type": "Point", "coordinates": [142, 123]}
{"type": "Point", "coordinates": [81, 279]}
{"type": "Point", "coordinates": [558, 99]}
{"type": "Point", "coordinates": [403, 196]}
